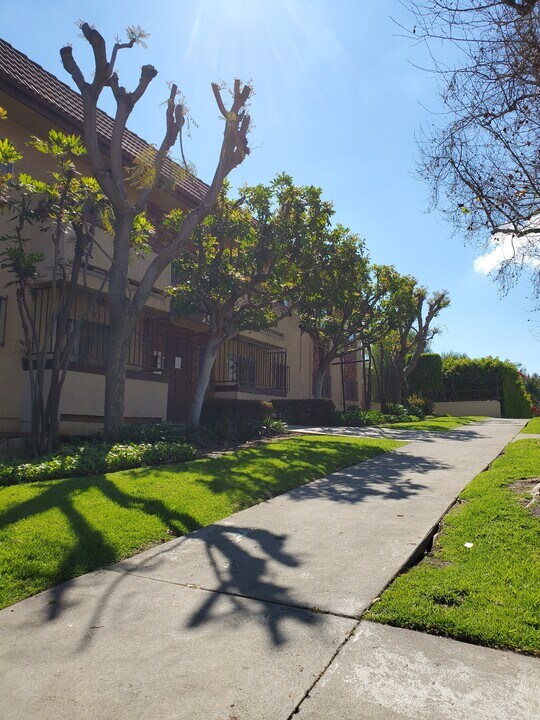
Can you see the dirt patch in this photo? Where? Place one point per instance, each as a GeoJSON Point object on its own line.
{"type": "Point", "coordinates": [529, 494]}
{"type": "Point", "coordinates": [219, 451]}
{"type": "Point", "coordinates": [437, 562]}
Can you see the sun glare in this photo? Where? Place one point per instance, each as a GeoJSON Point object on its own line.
{"type": "Point", "coordinates": [285, 36]}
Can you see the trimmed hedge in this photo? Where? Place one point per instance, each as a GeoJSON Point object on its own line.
{"type": "Point", "coordinates": [94, 460]}
{"type": "Point", "coordinates": [427, 377]}
{"type": "Point", "coordinates": [306, 412]}
{"type": "Point", "coordinates": [163, 431]}
{"type": "Point", "coordinates": [466, 374]}
{"type": "Point", "coordinates": [233, 419]}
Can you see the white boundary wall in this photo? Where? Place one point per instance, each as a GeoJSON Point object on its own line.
{"type": "Point", "coordinates": [490, 408]}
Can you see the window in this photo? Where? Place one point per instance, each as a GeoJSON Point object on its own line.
{"type": "Point", "coordinates": [154, 338]}
{"type": "Point", "coordinates": [93, 343]}
{"type": "Point", "coordinates": [351, 390]}
{"type": "Point", "coordinates": [251, 365]}
{"type": "Point", "coordinates": [3, 304]}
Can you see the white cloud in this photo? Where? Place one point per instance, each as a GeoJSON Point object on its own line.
{"type": "Point", "coordinates": [522, 251]}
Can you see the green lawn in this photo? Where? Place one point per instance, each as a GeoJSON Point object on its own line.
{"type": "Point", "coordinates": [54, 530]}
{"type": "Point", "coordinates": [437, 424]}
{"type": "Point", "coordinates": [489, 593]}
{"type": "Point", "coordinates": [533, 426]}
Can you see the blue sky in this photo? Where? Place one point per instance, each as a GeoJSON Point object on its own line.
{"type": "Point", "coordinates": [337, 104]}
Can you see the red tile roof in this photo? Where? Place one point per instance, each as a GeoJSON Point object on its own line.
{"type": "Point", "coordinates": [19, 72]}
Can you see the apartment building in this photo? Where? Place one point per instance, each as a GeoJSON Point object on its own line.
{"type": "Point", "coordinates": [166, 348]}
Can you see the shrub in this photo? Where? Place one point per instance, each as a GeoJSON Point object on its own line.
{"type": "Point", "coordinates": [235, 419]}
{"type": "Point", "coordinates": [356, 417]}
{"type": "Point", "coordinates": [164, 453]}
{"type": "Point", "coordinates": [407, 417]}
{"type": "Point", "coordinates": [306, 412]}
{"type": "Point", "coordinates": [420, 406]}
{"type": "Point", "coordinates": [95, 459]}
{"type": "Point", "coordinates": [274, 426]}
{"type": "Point", "coordinates": [393, 410]}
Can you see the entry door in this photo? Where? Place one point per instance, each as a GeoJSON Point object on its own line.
{"type": "Point", "coordinates": [179, 367]}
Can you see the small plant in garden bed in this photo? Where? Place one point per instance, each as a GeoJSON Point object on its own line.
{"type": "Point", "coordinates": [273, 426]}
{"type": "Point", "coordinates": [420, 406]}
{"type": "Point", "coordinates": [356, 417]}
{"type": "Point", "coordinates": [151, 432]}
{"type": "Point", "coordinates": [394, 413]}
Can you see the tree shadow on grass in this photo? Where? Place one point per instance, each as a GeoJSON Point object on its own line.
{"type": "Point", "coordinates": [370, 471]}
{"type": "Point", "coordinates": [90, 549]}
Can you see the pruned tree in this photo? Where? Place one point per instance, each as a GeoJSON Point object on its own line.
{"type": "Point", "coordinates": [111, 173]}
{"type": "Point", "coordinates": [339, 309]}
{"type": "Point", "coordinates": [243, 264]}
{"type": "Point", "coordinates": [409, 313]}
{"type": "Point", "coordinates": [481, 159]}
{"type": "Point", "coordinates": [57, 210]}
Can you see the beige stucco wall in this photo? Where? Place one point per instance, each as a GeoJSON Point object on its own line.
{"type": "Point", "coordinates": [84, 393]}
{"type": "Point", "coordinates": [490, 408]}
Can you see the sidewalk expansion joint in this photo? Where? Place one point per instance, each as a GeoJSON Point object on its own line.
{"type": "Point", "coordinates": [195, 586]}
{"type": "Point", "coordinates": [339, 648]}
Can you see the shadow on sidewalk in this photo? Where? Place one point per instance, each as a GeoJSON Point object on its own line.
{"type": "Point", "coordinates": [464, 433]}
{"type": "Point", "coordinates": [386, 476]}
{"type": "Point", "coordinates": [240, 574]}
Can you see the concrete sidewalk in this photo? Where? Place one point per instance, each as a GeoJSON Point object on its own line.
{"type": "Point", "coordinates": [241, 619]}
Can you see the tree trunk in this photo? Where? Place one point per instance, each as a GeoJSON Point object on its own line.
{"type": "Point", "coordinates": [122, 326]}
{"type": "Point", "coordinates": [318, 383]}
{"type": "Point", "coordinates": [369, 382]}
{"type": "Point", "coordinates": [123, 319]}
{"type": "Point", "coordinates": [52, 419]}
{"type": "Point", "coordinates": [396, 388]}
{"type": "Point", "coordinates": [194, 417]}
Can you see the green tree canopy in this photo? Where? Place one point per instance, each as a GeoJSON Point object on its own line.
{"type": "Point", "coordinates": [241, 268]}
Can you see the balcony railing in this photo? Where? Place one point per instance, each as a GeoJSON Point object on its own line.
{"type": "Point", "coordinates": [245, 365]}
{"type": "Point", "coordinates": [147, 347]}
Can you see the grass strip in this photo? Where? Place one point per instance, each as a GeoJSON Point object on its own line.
{"type": "Point", "coordinates": [489, 593]}
{"type": "Point", "coordinates": [532, 427]}
{"type": "Point", "coordinates": [437, 424]}
{"type": "Point", "coordinates": [54, 530]}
